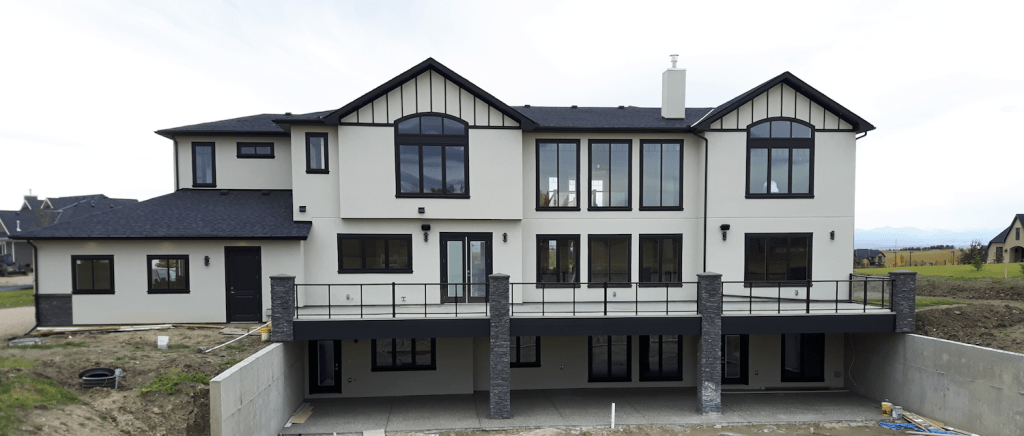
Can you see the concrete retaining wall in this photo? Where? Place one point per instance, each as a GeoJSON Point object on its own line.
{"type": "Point", "coordinates": [259, 394]}
{"type": "Point", "coordinates": [968, 387]}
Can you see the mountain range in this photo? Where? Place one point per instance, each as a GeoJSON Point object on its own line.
{"type": "Point", "coordinates": [889, 237]}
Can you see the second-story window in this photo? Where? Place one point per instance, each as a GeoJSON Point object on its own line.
{"type": "Point", "coordinates": [780, 160]}
{"type": "Point", "coordinates": [316, 153]}
{"type": "Point", "coordinates": [204, 169]}
{"type": "Point", "coordinates": [661, 170]}
{"type": "Point", "coordinates": [558, 170]}
{"type": "Point", "coordinates": [610, 175]}
{"type": "Point", "coordinates": [432, 157]}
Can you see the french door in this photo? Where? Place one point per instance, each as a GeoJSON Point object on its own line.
{"type": "Point", "coordinates": [465, 265]}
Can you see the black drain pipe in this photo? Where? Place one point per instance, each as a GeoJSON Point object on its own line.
{"type": "Point", "coordinates": [706, 152]}
{"type": "Point", "coordinates": [35, 282]}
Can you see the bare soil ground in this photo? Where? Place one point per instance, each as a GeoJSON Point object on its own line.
{"type": "Point", "coordinates": [105, 411]}
{"type": "Point", "coordinates": [994, 319]}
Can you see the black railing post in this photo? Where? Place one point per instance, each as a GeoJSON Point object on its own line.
{"type": "Point", "coordinates": [778, 300]}
{"type": "Point", "coordinates": [837, 296]}
{"type": "Point", "coordinates": [605, 298]}
{"type": "Point", "coordinates": [865, 296]}
{"type": "Point", "coordinates": [424, 300]}
{"type": "Point", "coordinates": [808, 297]}
{"type": "Point", "coordinates": [666, 296]}
{"type": "Point", "coordinates": [636, 293]}
{"type": "Point", "coordinates": [360, 300]}
{"type": "Point", "coordinates": [328, 301]}
{"type": "Point", "coordinates": [295, 288]}
{"type": "Point", "coordinates": [394, 309]}
{"type": "Point", "coordinates": [543, 299]}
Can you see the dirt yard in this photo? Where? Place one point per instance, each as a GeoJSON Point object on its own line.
{"type": "Point", "coordinates": [106, 411]}
{"type": "Point", "coordinates": [994, 319]}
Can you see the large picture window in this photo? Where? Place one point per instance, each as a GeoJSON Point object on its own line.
{"type": "Point", "coordinates": [374, 253]}
{"type": "Point", "coordinates": [558, 259]}
{"type": "Point", "coordinates": [558, 171]}
{"type": "Point", "coordinates": [403, 354]}
{"type": "Point", "coordinates": [661, 181]}
{"type": "Point", "coordinates": [168, 274]}
{"type": "Point", "coordinates": [432, 156]}
{"type": "Point", "coordinates": [316, 153]}
{"type": "Point", "coordinates": [780, 159]}
{"type": "Point", "coordinates": [803, 357]}
{"type": "Point", "coordinates": [609, 260]}
{"type": "Point", "coordinates": [92, 274]}
{"type": "Point", "coordinates": [661, 258]}
{"type": "Point", "coordinates": [609, 358]}
{"type": "Point", "coordinates": [611, 173]}
{"type": "Point", "coordinates": [204, 168]}
{"type": "Point", "coordinates": [524, 351]}
{"type": "Point", "coordinates": [777, 258]}
{"type": "Point", "coordinates": [661, 357]}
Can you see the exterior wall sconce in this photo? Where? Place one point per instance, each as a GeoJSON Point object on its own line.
{"type": "Point", "coordinates": [504, 237]}
{"type": "Point", "coordinates": [302, 208]}
{"type": "Point", "coordinates": [426, 231]}
{"type": "Point", "coordinates": [206, 260]}
{"type": "Point", "coordinates": [832, 235]}
{"type": "Point", "coordinates": [725, 228]}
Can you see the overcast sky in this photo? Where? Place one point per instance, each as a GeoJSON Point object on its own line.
{"type": "Point", "coordinates": [85, 84]}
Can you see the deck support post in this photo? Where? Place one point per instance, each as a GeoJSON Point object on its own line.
{"type": "Point", "coordinates": [282, 307]}
{"type": "Point", "coordinates": [904, 299]}
{"type": "Point", "coordinates": [709, 353]}
{"type": "Point", "coordinates": [501, 373]}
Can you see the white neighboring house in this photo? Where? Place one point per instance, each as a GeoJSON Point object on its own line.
{"type": "Point", "coordinates": [392, 212]}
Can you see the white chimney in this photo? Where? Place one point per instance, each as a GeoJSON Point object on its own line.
{"type": "Point", "coordinates": [673, 91]}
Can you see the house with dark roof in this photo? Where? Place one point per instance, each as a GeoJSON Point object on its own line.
{"type": "Point", "coordinates": [871, 257]}
{"type": "Point", "coordinates": [1007, 246]}
{"type": "Point", "coordinates": [427, 238]}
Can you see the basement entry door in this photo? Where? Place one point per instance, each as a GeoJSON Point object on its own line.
{"type": "Point", "coordinates": [465, 265]}
{"type": "Point", "coordinates": [244, 288]}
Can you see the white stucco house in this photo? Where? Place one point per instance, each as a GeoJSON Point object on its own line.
{"type": "Point", "coordinates": [390, 214]}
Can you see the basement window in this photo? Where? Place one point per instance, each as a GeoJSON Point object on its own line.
{"type": "Point", "coordinates": [404, 354]}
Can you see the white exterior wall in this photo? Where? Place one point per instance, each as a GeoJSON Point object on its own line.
{"type": "Point", "coordinates": [238, 173]}
{"type": "Point", "coordinates": [318, 192]}
{"type": "Point", "coordinates": [132, 304]}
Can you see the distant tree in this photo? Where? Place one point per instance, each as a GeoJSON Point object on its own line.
{"type": "Point", "coordinates": [978, 264]}
{"type": "Point", "coordinates": [974, 252]}
{"type": "Point", "coordinates": [1022, 269]}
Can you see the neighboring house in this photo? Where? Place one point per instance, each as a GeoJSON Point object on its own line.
{"type": "Point", "coordinates": [1008, 244]}
{"type": "Point", "coordinates": [873, 257]}
{"type": "Point", "coordinates": [36, 213]}
{"type": "Point", "coordinates": [392, 212]}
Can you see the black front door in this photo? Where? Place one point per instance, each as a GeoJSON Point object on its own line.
{"type": "Point", "coordinates": [244, 287]}
{"type": "Point", "coordinates": [465, 265]}
{"type": "Point", "coordinates": [325, 367]}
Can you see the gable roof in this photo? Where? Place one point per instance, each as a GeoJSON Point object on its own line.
{"type": "Point", "coordinates": [859, 124]}
{"type": "Point", "coordinates": [25, 220]}
{"type": "Point", "coordinates": [410, 74]}
{"type": "Point", "coordinates": [252, 125]}
{"type": "Point", "coordinates": [862, 253]}
{"type": "Point", "coordinates": [1001, 237]}
{"type": "Point", "coordinates": [189, 214]}
{"type": "Point", "coordinates": [619, 119]}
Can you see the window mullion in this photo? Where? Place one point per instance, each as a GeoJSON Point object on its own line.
{"type": "Point", "coordinates": [661, 176]}
{"type": "Point", "coordinates": [419, 149]}
{"type": "Point", "coordinates": [444, 169]}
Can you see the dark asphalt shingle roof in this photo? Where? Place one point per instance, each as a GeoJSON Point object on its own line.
{"type": "Point", "coordinates": [262, 124]}
{"type": "Point", "coordinates": [1001, 237]}
{"type": "Point", "coordinates": [862, 253]}
{"type": "Point", "coordinates": [25, 219]}
{"type": "Point", "coordinates": [612, 118]}
{"type": "Point", "coordinates": [189, 214]}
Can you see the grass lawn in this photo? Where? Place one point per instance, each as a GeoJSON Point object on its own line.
{"type": "Point", "coordinates": [16, 298]}
{"type": "Point", "coordinates": [966, 271]}
{"type": "Point", "coordinates": [930, 301]}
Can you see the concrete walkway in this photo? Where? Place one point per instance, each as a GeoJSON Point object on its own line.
{"type": "Point", "coordinates": [579, 408]}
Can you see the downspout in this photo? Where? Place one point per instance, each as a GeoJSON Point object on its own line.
{"type": "Point", "coordinates": [707, 151]}
{"type": "Point", "coordinates": [35, 282]}
{"type": "Point", "coordinates": [175, 140]}
{"type": "Point", "coordinates": [861, 136]}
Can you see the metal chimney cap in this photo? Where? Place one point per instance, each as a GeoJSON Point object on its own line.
{"type": "Point", "coordinates": [675, 58]}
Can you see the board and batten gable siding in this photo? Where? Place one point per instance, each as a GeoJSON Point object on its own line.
{"type": "Point", "coordinates": [317, 192]}
{"type": "Point", "coordinates": [238, 173]}
{"type": "Point", "coordinates": [366, 174]}
{"type": "Point", "coordinates": [781, 101]}
{"type": "Point", "coordinates": [429, 92]}
{"type": "Point", "coordinates": [132, 304]}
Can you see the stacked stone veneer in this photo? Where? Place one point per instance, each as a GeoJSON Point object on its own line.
{"type": "Point", "coordinates": [54, 310]}
{"type": "Point", "coordinates": [501, 373]}
{"type": "Point", "coordinates": [282, 307]}
{"type": "Point", "coordinates": [904, 299]}
{"type": "Point", "coordinates": [709, 353]}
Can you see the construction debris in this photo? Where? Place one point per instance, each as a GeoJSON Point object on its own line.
{"type": "Point", "coordinates": [300, 416]}
{"type": "Point", "coordinates": [48, 331]}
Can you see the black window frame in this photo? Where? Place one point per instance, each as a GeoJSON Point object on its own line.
{"type": "Point", "coordinates": [327, 162]}
{"type": "Point", "coordinates": [1017, 233]}
{"type": "Point", "coordinates": [678, 238]}
{"type": "Point", "coordinates": [661, 142]}
{"type": "Point", "coordinates": [576, 260]}
{"type": "Point", "coordinates": [629, 261]}
{"type": "Point", "coordinates": [74, 274]}
{"type": "Point", "coordinates": [537, 191]}
{"type": "Point", "coordinates": [515, 352]}
{"type": "Point", "coordinates": [592, 378]}
{"type": "Point", "coordinates": [744, 377]}
{"type": "Point", "coordinates": [646, 374]}
{"type": "Point", "coordinates": [255, 154]}
{"type": "Point", "coordinates": [788, 143]}
{"type": "Point", "coordinates": [441, 140]}
{"type": "Point", "coordinates": [805, 344]}
{"type": "Point", "coordinates": [149, 274]}
{"type": "Point", "coordinates": [213, 165]}
{"type": "Point", "coordinates": [590, 175]}
{"type": "Point", "coordinates": [387, 248]}
{"type": "Point", "coordinates": [376, 366]}
{"type": "Point", "coordinates": [748, 282]}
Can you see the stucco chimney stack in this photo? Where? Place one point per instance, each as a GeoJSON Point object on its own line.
{"type": "Point", "coordinates": [673, 91]}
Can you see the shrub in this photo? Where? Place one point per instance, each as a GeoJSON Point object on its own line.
{"type": "Point", "coordinates": [977, 263]}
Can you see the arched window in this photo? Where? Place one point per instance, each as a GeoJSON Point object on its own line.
{"type": "Point", "coordinates": [780, 159]}
{"type": "Point", "coordinates": [432, 155]}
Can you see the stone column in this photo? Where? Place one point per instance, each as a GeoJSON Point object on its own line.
{"type": "Point", "coordinates": [709, 352]}
{"type": "Point", "coordinates": [501, 373]}
{"type": "Point", "coordinates": [904, 299]}
{"type": "Point", "coordinates": [282, 307]}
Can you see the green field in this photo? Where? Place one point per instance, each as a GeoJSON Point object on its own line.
{"type": "Point", "coordinates": [16, 298]}
{"type": "Point", "coordinates": [989, 270]}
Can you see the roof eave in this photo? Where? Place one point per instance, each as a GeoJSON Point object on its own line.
{"type": "Point", "coordinates": [171, 134]}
